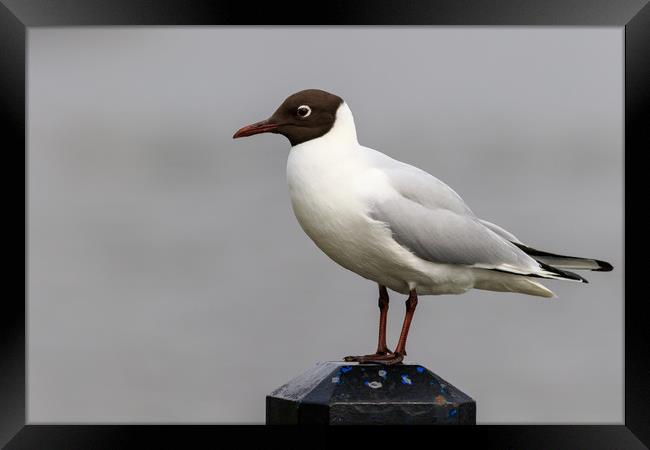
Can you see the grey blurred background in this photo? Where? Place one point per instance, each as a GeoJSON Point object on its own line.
{"type": "Point", "coordinates": [170, 282]}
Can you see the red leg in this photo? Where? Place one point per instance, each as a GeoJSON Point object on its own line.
{"type": "Point", "coordinates": [400, 351]}
{"type": "Point", "coordinates": [382, 348]}
{"type": "Point", "coordinates": [411, 303]}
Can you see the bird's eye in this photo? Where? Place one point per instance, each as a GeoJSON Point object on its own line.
{"type": "Point", "coordinates": [303, 111]}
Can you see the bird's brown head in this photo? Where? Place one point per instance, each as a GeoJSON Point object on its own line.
{"type": "Point", "coordinates": [303, 116]}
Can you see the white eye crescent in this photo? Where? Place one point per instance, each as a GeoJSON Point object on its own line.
{"type": "Point", "coordinates": [303, 111]}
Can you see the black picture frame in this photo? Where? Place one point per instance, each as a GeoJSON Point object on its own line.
{"type": "Point", "coordinates": [17, 15]}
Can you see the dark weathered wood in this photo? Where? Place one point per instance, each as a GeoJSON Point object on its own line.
{"type": "Point", "coordinates": [340, 393]}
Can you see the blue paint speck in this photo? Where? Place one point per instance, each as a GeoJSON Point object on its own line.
{"type": "Point", "coordinates": [406, 379]}
{"type": "Point", "coordinates": [345, 369]}
{"type": "Point", "coordinates": [366, 382]}
{"type": "Point", "coordinates": [420, 369]}
{"type": "Point", "coordinates": [453, 412]}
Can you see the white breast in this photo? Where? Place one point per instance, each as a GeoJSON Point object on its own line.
{"type": "Point", "coordinates": [322, 175]}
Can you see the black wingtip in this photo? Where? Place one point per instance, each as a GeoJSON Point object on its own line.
{"type": "Point", "coordinates": [563, 273]}
{"type": "Point", "coordinates": [603, 266]}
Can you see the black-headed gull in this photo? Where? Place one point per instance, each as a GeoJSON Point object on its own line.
{"type": "Point", "coordinates": [393, 223]}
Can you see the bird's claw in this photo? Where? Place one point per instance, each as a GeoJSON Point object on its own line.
{"type": "Point", "coordinates": [388, 358]}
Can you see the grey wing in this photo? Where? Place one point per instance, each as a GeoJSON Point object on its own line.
{"type": "Point", "coordinates": [432, 221]}
{"type": "Point", "coordinates": [500, 231]}
{"type": "Point", "coordinates": [414, 183]}
{"type": "Point", "coordinates": [448, 237]}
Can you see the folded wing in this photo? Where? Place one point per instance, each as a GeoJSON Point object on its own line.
{"type": "Point", "coordinates": [432, 221]}
{"type": "Point", "coordinates": [447, 237]}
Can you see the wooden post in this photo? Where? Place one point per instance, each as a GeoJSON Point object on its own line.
{"type": "Point", "coordinates": [340, 393]}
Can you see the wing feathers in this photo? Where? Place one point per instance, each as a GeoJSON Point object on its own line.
{"type": "Point", "coordinates": [566, 262]}
{"type": "Point", "coordinates": [432, 221]}
{"type": "Point", "coordinates": [446, 237]}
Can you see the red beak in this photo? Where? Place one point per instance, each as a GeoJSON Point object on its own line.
{"type": "Point", "coordinates": [260, 127]}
